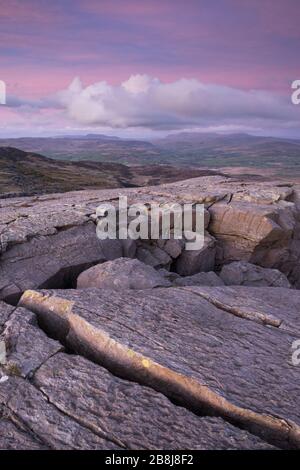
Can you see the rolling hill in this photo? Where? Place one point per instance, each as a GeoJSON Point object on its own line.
{"type": "Point", "coordinates": [30, 173]}
{"type": "Point", "coordinates": [181, 149]}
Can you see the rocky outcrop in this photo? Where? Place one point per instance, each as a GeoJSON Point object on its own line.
{"type": "Point", "coordinates": [46, 241]}
{"type": "Point", "coordinates": [241, 273]}
{"type": "Point", "coordinates": [203, 355]}
{"type": "Point", "coordinates": [194, 261]}
{"type": "Point", "coordinates": [66, 401]}
{"type": "Point", "coordinates": [122, 273]}
{"type": "Point", "coordinates": [192, 364]}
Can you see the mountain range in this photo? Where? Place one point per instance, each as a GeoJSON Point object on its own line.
{"type": "Point", "coordinates": [30, 173]}
{"type": "Point", "coordinates": [183, 149]}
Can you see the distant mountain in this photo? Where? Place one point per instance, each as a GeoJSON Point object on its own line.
{"type": "Point", "coordinates": [30, 173]}
{"type": "Point", "coordinates": [90, 147]}
{"type": "Point", "coordinates": [184, 149]}
{"type": "Point", "coordinates": [220, 150]}
{"type": "Point", "coordinates": [89, 137]}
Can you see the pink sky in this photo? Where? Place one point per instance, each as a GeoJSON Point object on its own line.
{"type": "Point", "coordinates": [250, 44]}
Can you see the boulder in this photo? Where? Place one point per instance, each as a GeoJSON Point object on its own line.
{"type": "Point", "coordinates": [152, 255]}
{"type": "Point", "coordinates": [122, 273]}
{"type": "Point", "coordinates": [170, 275]}
{"type": "Point", "coordinates": [46, 241]}
{"type": "Point", "coordinates": [241, 273]}
{"type": "Point", "coordinates": [199, 279]}
{"type": "Point", "coordinates": [174, 247]}
{"type": "Point", "coordinates": [128, 248]}
{"type": "Point", "coordinates": [194, 261]}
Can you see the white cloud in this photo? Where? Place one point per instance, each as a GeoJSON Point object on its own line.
{"type": "Point", "coordinates": [143, 101]}
{"type": "Point", "coordinates": [144, 104]}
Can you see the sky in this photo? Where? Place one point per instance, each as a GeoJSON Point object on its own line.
{"type": "Point", "coordinates": [149, 67]}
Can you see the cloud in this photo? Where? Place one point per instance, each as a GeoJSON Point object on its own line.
{"type": "Point", "coordinates": [144, 101]}
{"type": "Point", "coordinates": [144, 104]}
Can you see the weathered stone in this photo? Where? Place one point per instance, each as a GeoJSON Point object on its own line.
{"type": "Point", "coordinates": [170, 275]}
{"type": "Point", "coordinates": [122, 273]}
{"type": "Point", "coordinates": [111, 249]}
{"type": "Point", "coordinates": [136, 417]}
{"type": "Point", "coordinates": [13, 437]}
{"type": "Point", "coordinates": [153, 256]}
{"type": "Point", "coordinates": [22, 402]}
{"type": "Point", "coordinates": [210, 359]}
{"type": "Point", "coordinates": [42, 261]}
{"type": "Point", "coordinates": [5, 312]}
{"type": "Point", "coordinates": [46, 241]}
{"type": "Point", "coordinates": [199, 279]}
{"type": "Point", "coordinates": [146, 257]}
{"type": "Point", "coordinates": [259, 233]}
{"type": "Point", "coordinates": [76, 404]}
{"type": "Point", "coordinates": [173, 247]}
{"type": "Point", "coordinates": [27, 346]}
{"type": "Point", "coordinates": [275, 306]}
{"type": "Point", "coordinates": [241, 273]}
{"type": "Point", "coordinates": [193, 261]}
{"type": "Point", "coordinates": [129, 248]}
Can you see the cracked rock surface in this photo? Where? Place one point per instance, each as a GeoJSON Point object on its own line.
{"type": "Point", "coordinates": [69, 402]}
{"type": "Point", "coordinates": [254, 222]}
{"type": "Point", "coordinates": [150, 360]}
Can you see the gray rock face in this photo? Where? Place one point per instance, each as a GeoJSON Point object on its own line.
{"type": "Point", "coordinates": [134, 416]}
{"type": "Point", "coordinates": [46, 241]}
{"type": "Point", "coordinates": [27, 346]}
{"type": "Point", "coordinates": [128, 248]}
{"type": "Point", "coordinates": [183, 343]}
{"type": "Point", "coordinates": [153, 256]}
{"type": "Point", "coordinates": [277, 307]}
{"type": "Point", "coordinates": [173, 247]}
{"type": "Point", "coordinates": [241, 273]}
{"type": "Point", "coordinates": [194, 261]}
{"type": "Point", "coordinates": [199, 279]}
{"type": "Point", "coordinates": [72, 403]}
{"type": "Point", "coordinates": [5, 311]}
{"type": "Point", "coordinates": [122, 273]}
{"type": "Point", "coordinates": [184, 365]}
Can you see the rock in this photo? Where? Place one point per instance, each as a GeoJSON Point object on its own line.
{"type": "Point", "coordinates": [241, 273]}
{"type": "Point", "coordinates": [45, 426]}
{"type": "Point", "coordinates": [136, 417]}
{"type": "Point", "coordinates": [73, 403]}
{"type": "Point", "coordinates": [188, 347]}
{"type": "Point", "coordinates": [170, 275]}
{"type": "Point", "coordinates": [27, 346]}
{"type": "Point", "coordinates": [14, 437]}
{"type": "Point", "coordinates": [122, 273]}
{"type": "Point", "coordinates": [40, 263]}
{"type": "Point", "coordinates": [173, 247]}
{"type": "Point", "coordinates": [5, 311]}
{"type": "Point", "coordinates": [199, 279]}
{"type": "Point", "coordinates": [162, 257]}
{"type": "Point", "coordinates": [194, 261]}
{"type": "Point", "coordinates": [46, 241]}
{"type": "Point", "coordinates": [265, 234]}
{"type": "Point", "coordinates": [111, 249]}
{"type": "Point", "coordinates": [153, 256]}
{"type": "Point", "coordinates": [193, 366]}
{"type": "Point", "coordinates": [129, 248]}
{"type": "Point", "coordinates": [263, 305]}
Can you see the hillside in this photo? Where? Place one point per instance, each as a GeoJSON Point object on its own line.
{"type": "Point", "coordinates": [27, 173]}
{"type": "Point", "coordinates": [184, 149]}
